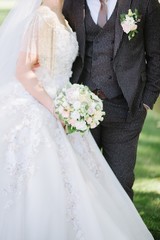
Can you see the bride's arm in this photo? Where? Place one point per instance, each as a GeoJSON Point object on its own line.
{"type": "Point", "coordinates": [26, 75]}
{"type": "Point", "coordinates": [28, 60]}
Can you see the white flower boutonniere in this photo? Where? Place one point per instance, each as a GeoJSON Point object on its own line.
{"type": "Point", "coordinates": [129, 23]}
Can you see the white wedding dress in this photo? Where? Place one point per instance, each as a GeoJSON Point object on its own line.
{"type": "Point", "coordinates": [55, 186]}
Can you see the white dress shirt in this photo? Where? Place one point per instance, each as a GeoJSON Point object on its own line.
{"type": "Point", "coordinates": [94, 6]}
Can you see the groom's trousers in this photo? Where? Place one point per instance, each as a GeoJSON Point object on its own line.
{"type": "Point", "coordinates": [118, 136]}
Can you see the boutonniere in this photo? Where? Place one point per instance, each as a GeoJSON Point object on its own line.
{"type": "Point", "coordinates": [129, 23]}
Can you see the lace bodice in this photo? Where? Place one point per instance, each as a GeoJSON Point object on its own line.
{"type": "Point", "coordinates": [56, 47]}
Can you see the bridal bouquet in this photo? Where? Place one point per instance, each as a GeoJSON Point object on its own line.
{"type": "Point", "coordinates": [78, 108]}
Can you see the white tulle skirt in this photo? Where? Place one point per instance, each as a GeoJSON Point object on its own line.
{"type": "Point", "coordinates": [53, 186]}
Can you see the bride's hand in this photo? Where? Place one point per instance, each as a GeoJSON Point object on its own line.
{"type": "Point", "coordinates": [57, 117]}
{"type": "Point", "coordinates": [62, 123]}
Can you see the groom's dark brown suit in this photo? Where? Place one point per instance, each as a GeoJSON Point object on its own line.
{"type": "Point", "coordinates": [124, 73]}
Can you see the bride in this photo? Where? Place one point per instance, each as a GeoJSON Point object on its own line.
{"type": "Point", "coordinates": [53, 186]}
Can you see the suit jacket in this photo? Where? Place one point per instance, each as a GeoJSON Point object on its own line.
{"type": "Point", "coordinates": [136, 62]}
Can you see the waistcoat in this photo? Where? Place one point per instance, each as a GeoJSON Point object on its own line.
{"type": "Point", "coordinates": [98, 70]}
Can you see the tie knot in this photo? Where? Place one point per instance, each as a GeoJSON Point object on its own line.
{"type": "Point", "coordinates": [103, 1]}
{"type": "Point", "coordinates": [102, 17]}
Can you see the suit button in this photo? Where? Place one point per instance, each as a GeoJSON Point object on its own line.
{"type": "Point", "coordinates": [112, 42]}
{"type": "Point", "coordinates": [110, 77]}
{"type": "Point", "coordinates": [111, 59]}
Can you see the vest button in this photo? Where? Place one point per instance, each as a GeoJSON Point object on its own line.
{"type": "Point", "coordinates": [112, 42]}
{"type": "Point", "coordinates": [110, 77]}
{"type": "Point", "coordinates": [111, 59]}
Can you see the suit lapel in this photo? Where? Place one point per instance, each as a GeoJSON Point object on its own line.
{"type": "Point", "coordinates": [123, 7]}
{"type": "Point", "coordinates": [79, 13]}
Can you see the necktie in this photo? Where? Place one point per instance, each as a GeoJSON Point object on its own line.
{"type": "Point", "coordinates": [102, 17]}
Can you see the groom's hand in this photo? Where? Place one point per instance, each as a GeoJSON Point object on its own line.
{"type": "Point", "coordinates": [146, 106]}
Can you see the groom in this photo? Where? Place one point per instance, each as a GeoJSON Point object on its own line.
{"type": "Point", "coordinates": [124, 73]}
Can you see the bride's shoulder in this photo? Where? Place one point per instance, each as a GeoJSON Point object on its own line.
{"type": "Point", "coordinates": [47, 15]}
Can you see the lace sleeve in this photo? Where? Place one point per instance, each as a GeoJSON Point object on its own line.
{"type": "Point", "coordinates": [29, 44]}
{"type": "Point", "coordinates": [29, 59]}
{"type": "Point", "coordinates": [39, 39]}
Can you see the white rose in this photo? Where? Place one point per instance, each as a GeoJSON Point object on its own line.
{"type": "Point", "coordinates": [97, 116]}
{"type": "Point", "coordinates": [76, 105]}
{"type": "Point", "coordinates": [81, 126]}
{"type": "Point", "coordinates": [65, 114]}
{"type": "Point", "coordinates": [65, 104]}
{"type": "Point", "coordinates": [93, 125]}
{"type": "Point", "coordinates": [91, 111]}
{"type": "Point", "coordinates": [76, 94]}
{"type": "Point", "coordinates": [126, 27]}
{"type": "Point", "coordinates": [89, 120]}
{"type": "Point", "coordinates": [72, 122]}
{"type": "Point", "coordinates": [129, 25]}
{"type": "Point", "coordinates": [129, 20]}
{"type": "Point", "coordinates": [60, 109]}
{"type": "Point", "coordinates": [75, 115]}
{"type": "Point", "coordinates": [72, 95]}
{"type": "Point", "coordinates": [133, 27]}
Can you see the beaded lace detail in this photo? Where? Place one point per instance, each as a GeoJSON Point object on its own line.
{"type": "Point", "coordinates": [57, 48]}
{"type": "Point", "coordinates": [20, 153]}
{"type": "Point", "coordinates": [56, 37]}
{"type": "Point", "coordinates": [72, 195]}
{"type": "Point", "coordinates": [87, 154]}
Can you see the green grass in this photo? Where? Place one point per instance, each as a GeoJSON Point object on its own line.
{"type": "Point", "coordinates": [5, 6]}
{"type": "Point", "coordinates": [3, 13]}
{"type": "Point", "coordinates": [147, 184]}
